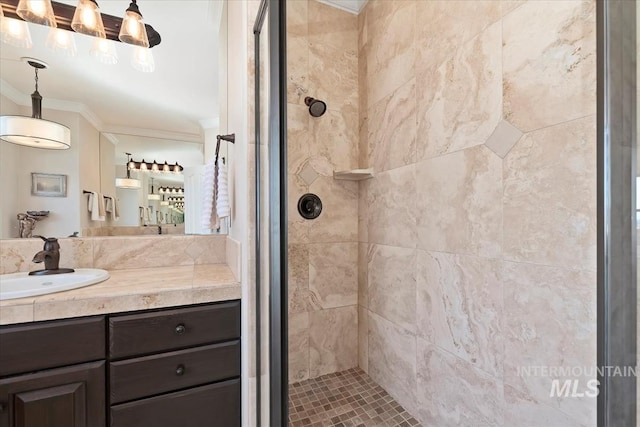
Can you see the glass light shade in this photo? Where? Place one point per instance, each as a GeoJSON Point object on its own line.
{"type": "Point", "coordinates": [153, 197]}
{"type": "Point", "coordinates": [37, 133]}
{"type": "Point", "coordinates": [61, 41]}
{"type": "Point", "coordinates": [104, 51]}
{"type": "Point", "coordinates": [37, 11]}
{"type": "Point", "coordinates": [87, 19]}
{"type": "Point", "coordinates": [154, 167]}
{"type": "Point", "coordinates": [143, 165]}
{"type": "Point", "coordinates": [132, 30]}
{"type": "Point", "coordinates": [142, 60]}
{"type": "Point", "coordinates": [16, 33]}
{"type": "Point", "coordinates": [128, 183]}
{"type": "Point", "coordinates": [166, 168]}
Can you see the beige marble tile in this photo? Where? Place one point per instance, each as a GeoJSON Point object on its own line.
{"type": "Point", "coordinates": [509, 6]}
{"type": "Point", "coordinates": [549, 65]}
{"type": "Point", "coordinates": [297, 18]}
{"type": "Point", "coordinates": [392, 360]}
{"type": "Point", "coordinates": [234, 257]}
{"type": "Point", "coordinates": [334, 141]}
{"type": "Point", "coordinates": [391, 27]}
{"type": "Point", "coordinates": [16, 254]}
{"type": "Point", "coordinates": [333, 77]}
{"type": "Point", "coordinates": [208, 274]}
{"type": "Point", "coordinates": [333, 340]}
{"type": "Point", "coordinates": [459, 200]}
{"type": "Point", "coordinates": [298, 229]}
{"type": "Point", "coordinates": [460, 301]}
{"type": "Point", "coordinates": [445, 25]}
{"type": "Point", "coordinates": [298, 347]}
{"type": "Point", "coordinates": [297, 69]}
{"type": "Point", "coordinates": [363, 210]}
{"type": "Point", "coordinates": [363, 275]}
{"type": "Point", "coordinates": [391, 126]}
{"type": "Point", "coordinates": [218, 293]}
{"type": "Point", "coordinates": [333, 275]}
{"type": "Point", "coordinates": [61, 309]}
{"type": "Point", "coordinates": [550, 320]}
{"type": "Point", "coordinates": [550, 196]}
{"type": "Point", "coordinates": [330, 26]}
{"type": "Point", "coordinates": [16, 314]}
{"type": "Point", "coordinates": [338, 221]}
{"type": "Point", "coordinates": [298, 273]}
{"type": "Point", "coordinates": [451, 392]}
{"type": "Point", "coordinates": [466, 101]}
{"type": "Point", "coordinates": [523, 410]}
{"type": "Point", "coordinates": [392, 284]}
{"type": "Point", "coordinates": [503, 138]}
{"type": "Point", "coordinates": [208, 249]}
{"type": "Point", "coordinates": [392, 208]}
{"type": "Point", "coordinates": [119, 253]}
{"type": "Point", "coordinates": [363, 338]}
{"type": "Point", "coordinates": [297, 137]}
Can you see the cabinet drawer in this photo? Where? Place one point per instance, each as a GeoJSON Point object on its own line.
{"type": "Point", "coordinates": [32, 347]}
{"type": "Point", "coordinates": [147, 333]}
{"type": "Point", "coordinates": [150, 375]}
{"type": "Point", "coordinates": [211, 405]}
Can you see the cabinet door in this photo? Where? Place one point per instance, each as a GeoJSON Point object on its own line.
{"type": "Point", "coordinates": [66, 397]}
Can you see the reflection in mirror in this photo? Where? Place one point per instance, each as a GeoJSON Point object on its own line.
{"type": "Point", "coordinates": [169, 115]}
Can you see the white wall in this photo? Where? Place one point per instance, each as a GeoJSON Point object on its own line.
{"type": "Point", "coordinates": [81, 164]}
{"type": "Point", "coordinates": [9, 167]}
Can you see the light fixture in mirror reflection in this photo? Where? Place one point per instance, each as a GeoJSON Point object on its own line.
{"type": "Point", "coordinates": [171, 116]}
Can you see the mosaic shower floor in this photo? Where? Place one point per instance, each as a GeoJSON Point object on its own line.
{"type": "Point", "coordinates": [345, 399]}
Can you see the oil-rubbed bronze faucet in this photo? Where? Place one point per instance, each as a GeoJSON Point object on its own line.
{"type": "Point", "coordinates": [50, 255]}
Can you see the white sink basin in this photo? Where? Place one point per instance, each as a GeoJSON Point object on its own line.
{"type": "Point", "coordinates": [20, 285]}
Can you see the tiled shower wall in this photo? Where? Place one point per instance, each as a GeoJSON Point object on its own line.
{"type": "Point", "coordinates": [477, 235]}
{"type": "Point", "coordinates": [322, 62]}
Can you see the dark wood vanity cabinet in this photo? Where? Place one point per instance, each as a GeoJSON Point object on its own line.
{"type": "Point", "coordinates": [163, 368]}
{"type": "Point", "coordinates": [53, 374]}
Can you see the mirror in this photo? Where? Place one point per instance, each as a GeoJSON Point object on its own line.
{"type": "Point", "coordinates": [169, 115]}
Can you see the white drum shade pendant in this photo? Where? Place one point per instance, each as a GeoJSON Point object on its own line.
{"type": "Point", "coordinates": [34, 131]}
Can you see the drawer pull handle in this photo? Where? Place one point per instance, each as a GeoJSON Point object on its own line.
{"type": "Point", "coordinates": [180, 370]}
{"type": "Point", "coordinates": [180, 329]}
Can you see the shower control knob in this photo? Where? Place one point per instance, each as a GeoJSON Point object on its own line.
{"type": "Point", "coordinates": [310, 206]}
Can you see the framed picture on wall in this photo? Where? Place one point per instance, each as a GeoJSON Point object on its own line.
{"type": "Point", "coordinates": [48, 185]}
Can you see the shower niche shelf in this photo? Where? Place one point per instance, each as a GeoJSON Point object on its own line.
{"type": "Point", "coordinates": [354, 174]}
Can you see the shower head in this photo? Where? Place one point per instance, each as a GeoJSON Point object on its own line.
{"type": "Point", "coordinates": [316, 107]}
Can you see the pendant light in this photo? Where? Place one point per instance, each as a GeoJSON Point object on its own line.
{"type": "Point", "coordinates": [88, 20]}
{"type": "Point", "coordinates": [104, 51]}
{"type": "Point", "coordinates": [37, 12]}
{"type": "Point", "coordinates": [61, 41]}
{"type": "Point", "coordinates": [142, 60]}
{"type": "Point", "coordinates": [34, 131]}
{"type": "Point", "coordinates": [16, 33]}
{"type": "Point", "coordinates": [132, 30]}
{"type": "Point", "coordinates": [128, 182]}
{"type": "Point", "coordinates": [152, 195]}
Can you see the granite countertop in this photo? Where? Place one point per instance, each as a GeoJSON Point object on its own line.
{"type": "Point", "coordinates": [129, 290]}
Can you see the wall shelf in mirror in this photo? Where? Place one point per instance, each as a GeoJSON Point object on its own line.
{"type": "Point", "coordinates": [354, 174]}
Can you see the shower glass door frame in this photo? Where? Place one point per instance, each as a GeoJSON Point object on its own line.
{"type": "Point", "coordinates": [617, 171]}
{"type": "Point", "coordinates": [273, 12]}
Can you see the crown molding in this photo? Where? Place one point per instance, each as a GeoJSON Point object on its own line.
{"type": "Point", "coordinates": [24, 100]}
{"type": "Point", "coordinates": [153, 133]}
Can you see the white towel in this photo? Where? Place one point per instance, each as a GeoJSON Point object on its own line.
{"type": "Point", "coordinates": [111, 206]}
{"type": "Point", "coordinates": [210, 218]}
{"type": "Point", "coordinates": [222, 195]}
{"type": "Point", "coordinates": [96, 202]}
